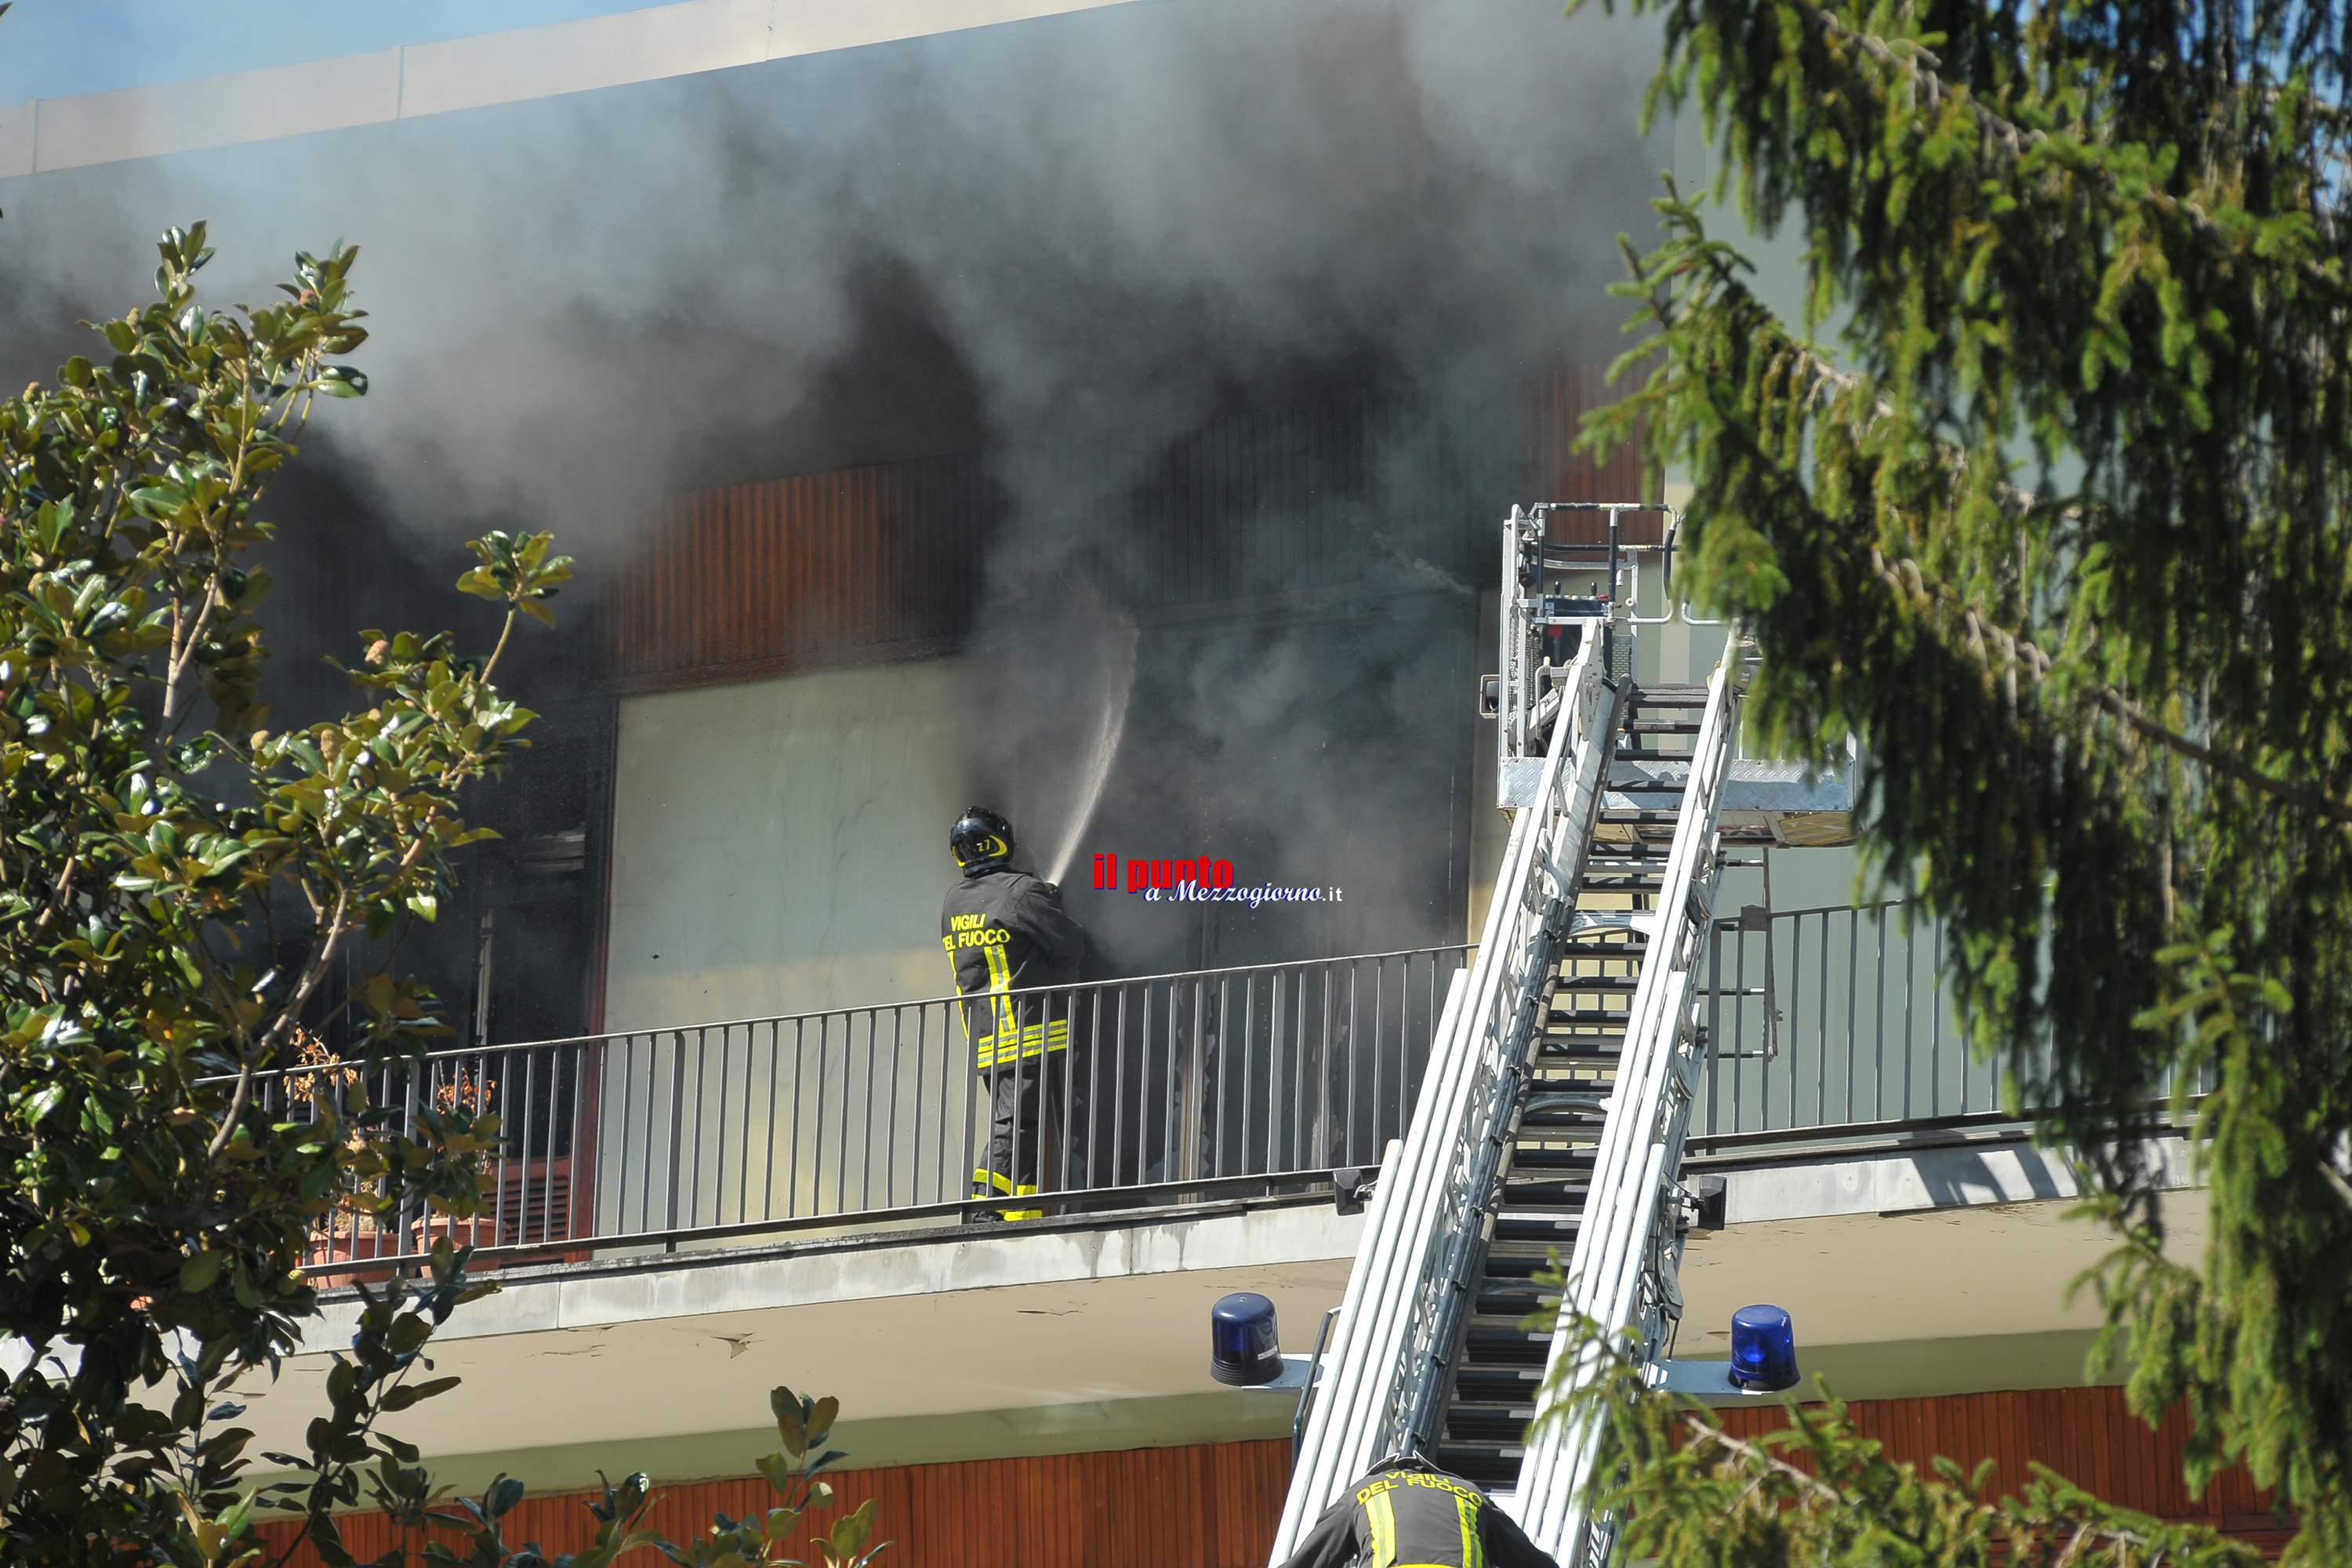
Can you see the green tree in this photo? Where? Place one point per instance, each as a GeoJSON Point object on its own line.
{"type": "Point", "coordinates": [1690, 1491]}
{"type": "Point", "coordinates": [176, 883]}
{"type": "Point", "coordinates": [793, 1473]}
{"type": "Point", "coordinates": [2044, 499]}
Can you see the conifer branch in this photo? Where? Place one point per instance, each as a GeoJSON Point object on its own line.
{"type": "Point", "coordinates": [2336, 1180]}
{"type": "Point", "coordinates": [2018, 652]}
{"type": "Point", "coordinates": [1765, 1459]}
{"type": "Point", "coordinates": [1924, 69]}
{"type": "Point", "coordinates": [2090, 1532]}
{"type": "Point", "coordinates": [2015, 652]}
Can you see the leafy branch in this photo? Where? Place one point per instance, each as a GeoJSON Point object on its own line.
{"type": "Point", "coordinates": [161, 1207]}
{"type": "Point", "coordinates": [1684, 1487]}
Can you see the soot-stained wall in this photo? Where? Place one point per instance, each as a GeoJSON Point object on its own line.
{"type": "Point", "coordinates": [1080, 253]}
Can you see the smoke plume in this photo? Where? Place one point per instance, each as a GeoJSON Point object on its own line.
{"type": "Point", "coordinates": [1074, 245]}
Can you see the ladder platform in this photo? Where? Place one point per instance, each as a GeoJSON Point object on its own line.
{"type": "Point", "coordinates": [1490, 1468]}
{"type": "Point", "coordinates": [1500, 1421]}
{"type": "Point", "coordinates": [1585, 1119]}
{"type": "Point", "coordinates": [1490, 1345]}
{"type": "Point", "coordinates": [1554, 1194]}
{"type": "Point", "coordinates": [1516, 1265]}
{"type": "Point", "coordinates": [1584, 1048]}
{"type": "Point", "coordinates": [1585, 1017]}
{"type": "Point", "coordinates": [1500, 1385]}
{"type": "Point", "coordinates": [1544, 1158]}
{"type": "Point", "coordinates": [1512, 1302]}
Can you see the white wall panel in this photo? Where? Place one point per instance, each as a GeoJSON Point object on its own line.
{"type": "Point", "coordinates": [218, 112]}
{"type": "Point", "coordinates": [577, 57]}
{"type": "Point", "coordinates": [781, 846]}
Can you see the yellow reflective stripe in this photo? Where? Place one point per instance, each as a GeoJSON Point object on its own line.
{"type": "Point", "coordinates": [1383, 1518]}
{"type": "Point", "coordinates": [1033, 1041]}
{"type": "Point", "coordinates": [1000, 981]}
{"type": "Point", "coordinates": [991, 1182]}
{"type": "Point", "coordinates": [1474, 1552]}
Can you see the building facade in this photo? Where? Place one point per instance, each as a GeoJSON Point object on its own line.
{"type": "Point", "coordinates": [1209, 576]}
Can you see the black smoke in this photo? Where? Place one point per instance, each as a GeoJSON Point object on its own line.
{"type": "Point", "coordinates": [1085, 247]}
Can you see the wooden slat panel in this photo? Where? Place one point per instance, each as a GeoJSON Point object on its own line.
{"type": "Point", "coordinates": [862, 564]}
{"type": "Point", "coordinates": [1218, 1504]}
{"type": "Point", "coordinates": [1557, 471]}
{"type": "Point", "coordinates": [754, 579]}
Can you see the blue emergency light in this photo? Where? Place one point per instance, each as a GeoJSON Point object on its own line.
{"type": "Point", "coordinates": [1763, 1350]}
{"type": "Point", "coordinates": [1244, 1346]}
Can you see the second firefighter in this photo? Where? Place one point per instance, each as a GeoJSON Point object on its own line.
{"type": "Point", "coordinates": [1006, 932]}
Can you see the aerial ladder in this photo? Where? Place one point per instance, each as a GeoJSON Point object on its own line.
{"type": "Point", "coordinates": [1553, 1110]}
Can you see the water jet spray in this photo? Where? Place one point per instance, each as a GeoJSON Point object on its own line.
{"type": "Point", "coordinates": [1118, 691]}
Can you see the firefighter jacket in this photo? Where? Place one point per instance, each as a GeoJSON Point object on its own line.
{"type": "Point", "coordinates": [1005, 930]}
{"type": "Point", "coordinates": [1407, 1517]}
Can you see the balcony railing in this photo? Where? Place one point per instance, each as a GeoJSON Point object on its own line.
{"type": "Point", "coordinates": [1835, 1019]}
{"type": "Point", "coordinates": [1841, 1024]}
{"type": "Point", "coordinates": [1831, 1025]}
{"type": "Point", "coordinates": [1176, 1089]}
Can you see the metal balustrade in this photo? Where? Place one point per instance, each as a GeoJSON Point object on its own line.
{"type": "Point", "coordinates": [1835, 1019]}
{"type": "Point", "coordinates": [1833, 1026]}
{"type": "Point", "coordinates": [1842, 1024]}
{"type": "Point", "coordinates": [1177, 1089]}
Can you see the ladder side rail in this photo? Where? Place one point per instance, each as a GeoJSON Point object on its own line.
{"type": "Point", "coordinates": [1663, 1243]}
{"type": "Point", "coordinates": [1604, 1263]}
{"type": "Point", "coordinates": [1396, 1224]}
{"type": "Point", "coordinates": [1507, 1041]}
{"type": "Point", "coordinates": [1393, 1259]}
{"type": "Point", "coordinates": [1344, 1425]}
{"type": "Point", "coordinates": [1511, 704]}
{"type": "Point", "coordinates": [1612, 1248]}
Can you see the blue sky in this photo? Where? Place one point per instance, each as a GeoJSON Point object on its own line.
{"type": "Point", "coordinates": [53, 49]}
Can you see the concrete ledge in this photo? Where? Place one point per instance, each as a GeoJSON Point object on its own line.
{"type": "Point", "coordinates": [1961, 1364]}
{"type": "Point", "coordinates": [2001, 1169]}
{"type": "Point", "coordinates": [16, 140]}
{"type": "Point", "coordinates": [216, 111]}
{"type": "Point", "coordinates": [882, 1268]}
{"type": "Point", "coordinates": [580, 56]}
{"type": "Point", "coordinates": [1171, 1421]}
{"type": "Point", "coordinates": [440, 77]}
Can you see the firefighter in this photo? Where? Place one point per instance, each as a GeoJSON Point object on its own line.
{"type": "Point", "coordinates": [1408, 1513]}
{"type": "Point", "coordinates": [1005, 931]}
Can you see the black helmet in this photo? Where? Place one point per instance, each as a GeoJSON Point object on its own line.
{"type": "Point", "coordinates": [981, 839]}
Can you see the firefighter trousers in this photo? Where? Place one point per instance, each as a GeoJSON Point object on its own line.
{"type": "Point", "coordinates": [1038, 1133]}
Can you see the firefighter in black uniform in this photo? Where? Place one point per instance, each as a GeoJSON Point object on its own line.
{"type": "Point", "coordinates": [1005, 931]}
{"type": "Point", "coordinates": [1409, 1514]}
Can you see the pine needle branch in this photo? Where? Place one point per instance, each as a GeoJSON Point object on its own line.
{"type": "Point", "coordinates": [2336, 1180]}
{"type": "Point", "coordinates": [2017, 652]}
{"type": "Point", "coordinates": [1922, 69]}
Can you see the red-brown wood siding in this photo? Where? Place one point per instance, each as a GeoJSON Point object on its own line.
{"type": "Point", "coordinates": [1215, 1506]}
{"type": "Point", "coordinates": [847, 566]}
{"type": "Point", "coordinates": [1210, 1506]}
{"type": "Point", "coordinates": [1558, 470]}
{"type": "Point", "coordinates": [862, 565]}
